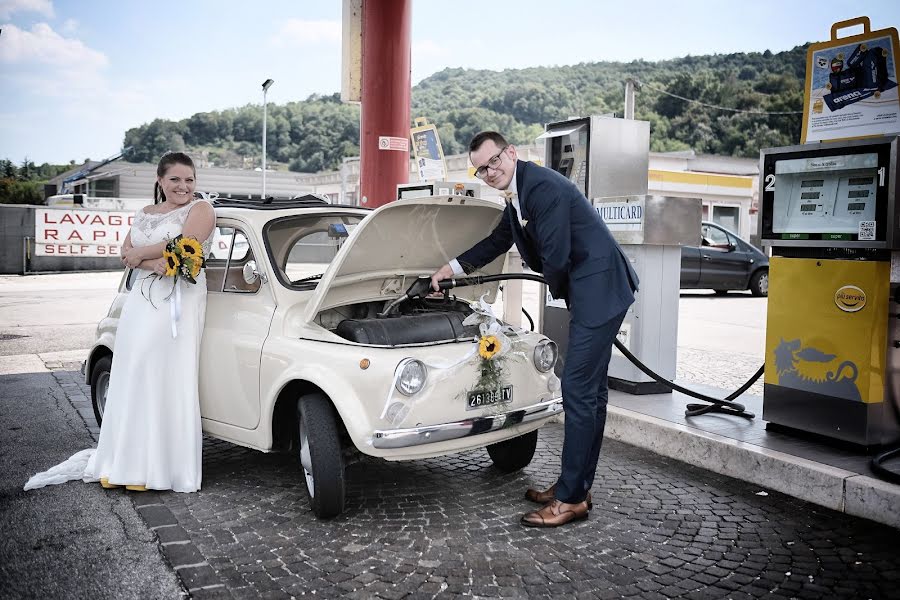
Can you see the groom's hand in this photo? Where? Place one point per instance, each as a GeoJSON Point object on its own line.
{"type": "Point", "coordinates": [445, 272]}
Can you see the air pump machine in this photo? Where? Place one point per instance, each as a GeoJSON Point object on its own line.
{"type": "Point", "coordinates": [829, 215]}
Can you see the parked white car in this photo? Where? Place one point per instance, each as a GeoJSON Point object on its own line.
{"type": "Point", "coordinates": [298, 355]}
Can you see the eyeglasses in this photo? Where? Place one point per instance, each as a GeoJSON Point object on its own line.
{"type": "Point", "coordinates": [493, 163]}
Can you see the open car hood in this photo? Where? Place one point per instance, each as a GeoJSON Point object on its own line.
{"type": "Point", "coordinates": [402, 240]}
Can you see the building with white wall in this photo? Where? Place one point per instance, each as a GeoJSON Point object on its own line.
{"type": "Point", "coordinates": [728, 186]}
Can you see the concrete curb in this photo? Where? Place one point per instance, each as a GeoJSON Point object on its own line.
{"type": "Point", "coordinates": [821, 484]}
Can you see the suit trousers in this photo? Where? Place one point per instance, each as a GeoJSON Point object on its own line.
{"type": "Point", "coordinates": [585, 396]}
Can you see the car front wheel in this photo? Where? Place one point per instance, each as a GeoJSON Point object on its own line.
{"type": "Point", "coordinates": [100, 386]}
{"type": "Point", "coordinates": [759, 283]}
{"type": "Point", "coordinates": [320, 455]}
{"type": "Point", "coordinates": [514, 454]}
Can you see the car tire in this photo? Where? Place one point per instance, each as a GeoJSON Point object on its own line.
{"type": "Point", "coordinates": [514, 454]}
{"type": "Point", "coordinates": [100, 386]}
{"type": "Point", "coordinates": [321, 459]}
{"type": "Point", "coordinates": [759, 283]}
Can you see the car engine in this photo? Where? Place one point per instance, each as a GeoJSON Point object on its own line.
{"type": "Point", "coordinates": [417, 321]}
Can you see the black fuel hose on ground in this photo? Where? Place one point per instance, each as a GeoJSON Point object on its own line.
{"type": "Point", "coordinates": [882, 471]}
{"type": "Point", "coordinates": [423, 286]}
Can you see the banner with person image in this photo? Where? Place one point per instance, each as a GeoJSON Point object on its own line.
{"type": "Point", "coordinates": [851, 85]}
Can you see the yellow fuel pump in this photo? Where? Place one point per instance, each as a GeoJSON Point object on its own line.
{"type": "Point", "coordinates": [828, 214]}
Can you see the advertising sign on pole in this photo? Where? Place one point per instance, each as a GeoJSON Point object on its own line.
{"type": "Point", "coordinates": [851, 85]}
{"type": "Point", "coordinates": [427, 152]}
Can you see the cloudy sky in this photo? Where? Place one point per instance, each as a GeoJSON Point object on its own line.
{"type": "Point", "coordinates": [75, 74]}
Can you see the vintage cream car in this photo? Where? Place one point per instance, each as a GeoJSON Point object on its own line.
{"type": "Point", "coordinates": [309, 346]}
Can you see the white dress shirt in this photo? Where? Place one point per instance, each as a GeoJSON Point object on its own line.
{"type": "Point", "coordinates": [512, 187]}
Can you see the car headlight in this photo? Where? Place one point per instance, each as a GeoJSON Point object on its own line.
{"type": "Point", "coordinates": [545, 355]}
{"type": "Point", "coordinates": [410, 375]}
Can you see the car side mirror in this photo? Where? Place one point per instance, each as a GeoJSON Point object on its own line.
{"type": "Point", "coordinates": [250, 273]}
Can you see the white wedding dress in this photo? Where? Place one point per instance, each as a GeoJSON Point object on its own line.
{"type": "Point", "coordinates": [151, 433]}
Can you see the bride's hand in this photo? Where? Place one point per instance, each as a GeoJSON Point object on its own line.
{"type": "Point", "coordinates": [159, 266]}
{"type": "Point", "coordinates": [132, 257]}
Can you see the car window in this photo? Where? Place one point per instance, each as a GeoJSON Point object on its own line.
{"type": "Point", "coordinates": [302, 247]}
{"type": "Point", "coordinates": [231, 251]}
{"type": "Point", "coordinates": [715, 237]}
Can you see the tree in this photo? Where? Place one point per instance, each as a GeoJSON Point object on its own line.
{"type": "Point", "coordinates": [318, 132]}
{"type": "Point", "coordinates": [151, 141]}
{"type": "Point", "coordinates": [8, 169]}
{"type": "Point", "coordinates": [20, 192]}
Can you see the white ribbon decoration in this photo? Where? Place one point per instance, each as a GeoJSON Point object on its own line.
{"type": "Point", "coordinates": [175, 307]}
{"type": "Point", "coordinates": [488, 324]}
{"type": "Point", "coordinates": [403, 410]}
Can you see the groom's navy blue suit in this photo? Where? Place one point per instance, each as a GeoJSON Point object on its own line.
{"type": "Point", "coordinates": [565, 239]}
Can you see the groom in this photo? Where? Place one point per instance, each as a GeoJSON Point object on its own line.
{"type": "Point", "coordinates": [560, 235]}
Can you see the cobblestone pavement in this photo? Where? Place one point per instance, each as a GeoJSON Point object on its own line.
{"type": "Point", "coordinates": [449, 527]}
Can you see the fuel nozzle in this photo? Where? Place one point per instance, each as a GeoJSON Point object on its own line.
{"type": "Point", "coordinates": [420, 288]}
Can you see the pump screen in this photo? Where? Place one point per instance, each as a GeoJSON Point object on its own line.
{"type": "Point", "coordinates": [823, 193]}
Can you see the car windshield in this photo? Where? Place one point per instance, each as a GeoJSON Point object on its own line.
{"type": "Point", "coordinates": [303, 246]}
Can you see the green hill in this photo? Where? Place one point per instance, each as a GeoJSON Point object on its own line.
{"type": "Point", "coordinates": [316, 133]}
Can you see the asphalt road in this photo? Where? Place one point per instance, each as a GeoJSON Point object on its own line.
{"type": "Point", "coordinates": [73, 540]}
{"type": "Point", "coordinates": [50, 313]}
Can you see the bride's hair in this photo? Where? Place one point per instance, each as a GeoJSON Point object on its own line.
{"type": "Point", "coordinates": [168, 159]}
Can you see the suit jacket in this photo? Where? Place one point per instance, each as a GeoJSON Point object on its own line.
{"type": "Point", "coordinates": [565, 239]}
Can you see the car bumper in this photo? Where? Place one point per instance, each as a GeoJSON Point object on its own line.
{"type": "Point", "coordinates": [416, 436]}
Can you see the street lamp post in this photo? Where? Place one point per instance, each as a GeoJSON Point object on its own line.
{"type": "Point", "coordinates": [265, 87]}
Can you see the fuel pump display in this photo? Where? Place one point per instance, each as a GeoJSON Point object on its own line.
{"type": "Point", "coordinates": [828, 213]}
{"type": "Point", "coordinates": [834, 195]}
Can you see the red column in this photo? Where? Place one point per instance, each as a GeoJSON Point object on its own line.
{"type": "Point", "coordinates": [386, 82]}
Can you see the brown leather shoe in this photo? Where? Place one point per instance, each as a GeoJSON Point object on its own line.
{"type": "Point", "coordinates": [556, 513]}
{"type": "Point", "coordinates": [549, 495]}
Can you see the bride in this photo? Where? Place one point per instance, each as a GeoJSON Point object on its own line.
{"type": "Point", "coordinates": [150, 437]}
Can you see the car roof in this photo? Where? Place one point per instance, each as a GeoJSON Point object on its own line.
{"type": "Point", "coordinates": [260, 213]}
{"type": "Point", "coordinates": [305, 201]}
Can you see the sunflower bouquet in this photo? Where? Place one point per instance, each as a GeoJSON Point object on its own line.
{"type": "Point", "coordinates": [184, 258]}
{"type": "Point", "coordinates": [491, 351]}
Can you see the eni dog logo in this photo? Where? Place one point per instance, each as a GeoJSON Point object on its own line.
{"type": "Point", "coordinates": [850, 298]}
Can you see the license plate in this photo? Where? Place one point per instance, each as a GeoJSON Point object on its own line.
{"type": "Point", "coordinates": [480, 399]}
